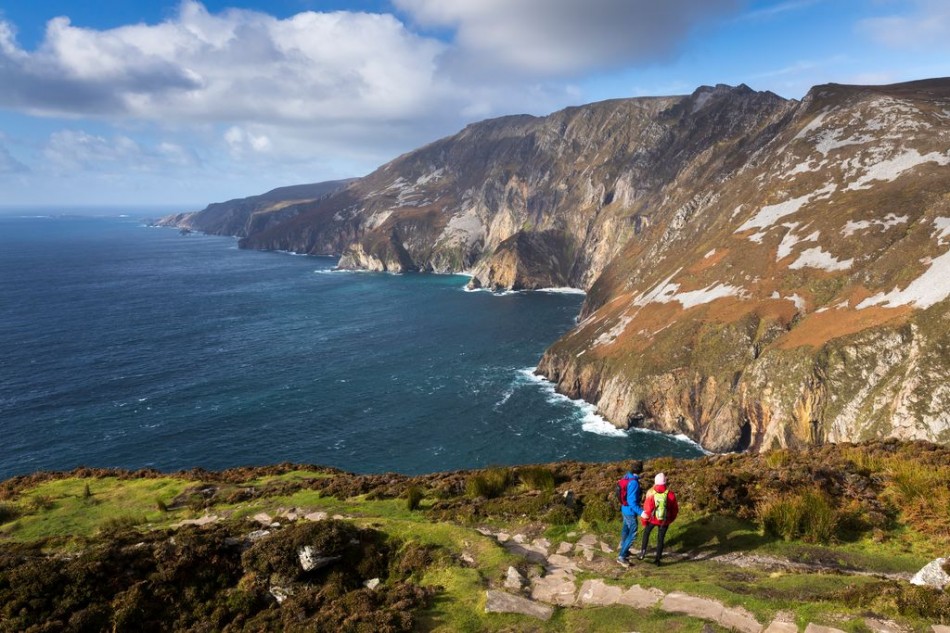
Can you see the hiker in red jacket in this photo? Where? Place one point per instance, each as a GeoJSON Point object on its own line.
{"type": "Point", "coordinates": [659, 510]}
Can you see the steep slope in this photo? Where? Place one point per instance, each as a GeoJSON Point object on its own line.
{"type": "Point", "coordinates": [244, 216]}
{"type": "Point", "coordinates": [802, 300]}
{"type": "Point", "coordinates": [527, 202]}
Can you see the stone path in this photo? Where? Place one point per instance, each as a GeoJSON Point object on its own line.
{"type": "Point", "coordinates": [557, 587]}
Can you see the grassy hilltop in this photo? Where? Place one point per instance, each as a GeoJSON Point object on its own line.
{"type": "Point", "coordinates": [828, 536]}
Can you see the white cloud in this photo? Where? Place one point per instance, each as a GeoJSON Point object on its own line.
{"type": "Point", "coordinates": [925, 27]}
{"type": "Point", "coordinates": [564, 37]}
{"type": "Point", "coordinates": [236, 65]}
{"type": "Point", "coordinates": [78, 151]}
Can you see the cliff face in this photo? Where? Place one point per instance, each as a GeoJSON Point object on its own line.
{"type": "Point", "coordinates": [245, 216]}
{"type": "Point", "coordinates": [801, 299]}
{"type": "Point", "coordinates": [760, 272]}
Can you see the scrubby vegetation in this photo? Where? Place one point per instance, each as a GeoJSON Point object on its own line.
{"type": "Point", "coordinates": [259, 549]}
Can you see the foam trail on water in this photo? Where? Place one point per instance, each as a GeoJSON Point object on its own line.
{"type": "Point", "coordinates": [590, 420]}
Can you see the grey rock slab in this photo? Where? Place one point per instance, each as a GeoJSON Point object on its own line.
{"type": "Point", "coordinates": [257, 535]}
{"type": "Point", "coordinates": [565, 547]}
{"type": "Point", "coordinates": [597, 593]}
{"type": "Point", "coordinates": [588, 540]}
{"type": "Point", "coordinates": [556, 589]}
{"type": "Point", "coordinates": [528, 552]}
{"type": "Point", "coordinates": [817, 628]}
{"type": "Point", "coordinates": [738, 619]}
{"type": "Point", "coordinates": [558, 561]}
{"type": "Point", "coordinates": [316, 516]}
{"type": "Point", "coordinates": [504, 602]}
{"type": "Point", "coordinates": [541, 544]}
{"type": "Point", "coordinates": [702, 608]}
{"type": "Point", "coordinates": [263, 518]}
{"type": "Point", "coordinates": [939, 628]}
{"type": "Point", "coordinates": [503, 537]}
{"type": "Point", "coordinates": [640, 598]}
{"type": "Point", "coordinates": [484, 531]}
{"type": "Point", "coordinates": [514, 580]}
{"type": "Point", "coordinates": [607, 549]}
{"type": "Point", "coordinates": [932, 575]}
{"type": "Point", "coordinates": [779, 626]}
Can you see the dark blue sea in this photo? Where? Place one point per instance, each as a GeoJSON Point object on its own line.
{"type": "Point", "coordinates": [128, 346]}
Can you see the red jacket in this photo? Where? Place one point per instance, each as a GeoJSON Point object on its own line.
{"type": "Point", "coordinates": [649, 504]}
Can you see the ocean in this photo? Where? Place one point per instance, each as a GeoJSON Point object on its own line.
{"type": "Point", "coordinates": [128, 346]}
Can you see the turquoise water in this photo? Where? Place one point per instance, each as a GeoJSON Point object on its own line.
{"type": "Point", "coordinates": [127, 346]}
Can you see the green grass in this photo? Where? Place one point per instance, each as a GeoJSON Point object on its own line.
{"type": "Point", "coordinates": [60, 509]}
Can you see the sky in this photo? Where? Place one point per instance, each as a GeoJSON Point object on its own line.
{"type": "Point", "coordinates": [179, 103]}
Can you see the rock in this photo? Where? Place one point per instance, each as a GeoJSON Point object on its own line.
{"type": "Point", "coordinates": [640, 598]}
{"type": "Point", "coordinates": [372, 584]}
{"type": "Point", "coordinates": [503, 602]}
{"type": "Point", "coordinates": [778, 626]}
{"type": "Point", "coordinates": [607, 549]}
{"type": "Point", "coordinates": [557, 588]}
{"type": "Point", "coordinates": [932, 575]}
{"type": "Point", "coordinates": [565, 547]}
{"type": "Point", "coordinates": [557, 562]}
{"type": "Point", "coordinates": [468, 559]}
{"type": "Point", "coordinates": [570, 500]}
{"type": "Point", "coordinates": [503, 537]}
{"type": "Point", "coordinates": [939, 628]}
{"type": "Point", "coordinates": [316, 516]}
{"type": "Point", "coordinates": [514, 580]}
{"type": "Point", "coordinates": [257, 535]}
{"type": "Point", "coordinates": [598, 594]}
{"type": "Point", "coordinates": [263, 518]}
{"type": "Point", "coordinates": [280, 593]}
{"type": "Point", "coordinates": [817, 628]}
{"type": "Point", "coordinates": [518, 538]}
{"type": "Point", "coordinates": [733, 618]}
{"type": "Point", "coordinates": [311, 559]}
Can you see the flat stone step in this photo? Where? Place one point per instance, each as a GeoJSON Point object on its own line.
{"type": "Point", "coordinates": [818, 628]}
{"type": "Point", "coordinates": [504, 602]}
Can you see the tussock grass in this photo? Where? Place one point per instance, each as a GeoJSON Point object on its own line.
{"type": "Point", "coordinates": [489, 484]}
{"type": "Point", "coordinates": [536, 478]}
{"type": "Point", "coordinates": [8, 512]}
{"type": "Point", "coordinates": [806, 515]}
{"type": "Point", "coordinates": [414, 496]}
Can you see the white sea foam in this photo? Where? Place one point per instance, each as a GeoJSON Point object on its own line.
{"type": "Point", "coordinates": [590, 420]}
{"type": "Point", "coordinates": [563, 290]}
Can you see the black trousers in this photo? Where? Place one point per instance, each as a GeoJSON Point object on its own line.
{"type": "Point", "coordinates": [660, 536]}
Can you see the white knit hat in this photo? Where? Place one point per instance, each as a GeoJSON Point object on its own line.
{"type": "Point", "coordinates": [660, 479]}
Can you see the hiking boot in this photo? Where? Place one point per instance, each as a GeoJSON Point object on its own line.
{"type": "Point", "coordinates": [656, 561]}
{"type": "Point", "coordinates": [623, 562]}
{"type": "Point", "coordinates": [641, 555]}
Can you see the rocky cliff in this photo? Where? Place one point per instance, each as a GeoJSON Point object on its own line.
{"type": "Point", "coordinates": [800, 297]}
{"type": "Point", "coordinates": [245, 216]}
{"type": "Point", "coordinates": [760, 272]}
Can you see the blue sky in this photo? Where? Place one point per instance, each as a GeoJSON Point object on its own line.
{"type": "Point", "coordinates": [182, 103]}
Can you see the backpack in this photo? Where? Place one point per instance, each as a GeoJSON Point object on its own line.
{"type": "Point", "coordinates": [659, 509]}
{"type": "Point", "coordinates": [622, 491]}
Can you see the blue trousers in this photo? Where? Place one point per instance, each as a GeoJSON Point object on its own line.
{"type": "Point", "coordinates": [628, 534]}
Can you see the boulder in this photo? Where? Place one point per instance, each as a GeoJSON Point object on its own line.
{"type": "Point", "coordinates": [514, 580]}
{"type": "Point", "coordinates": [311, 559]}
{"type": "Point", "coordinates": [932, 575]}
